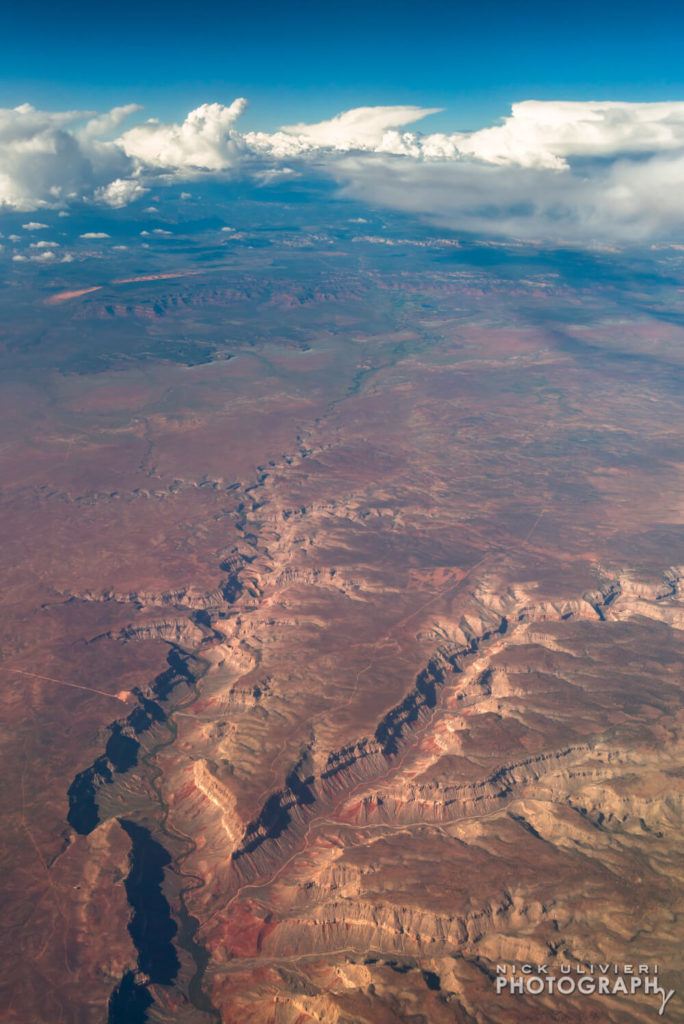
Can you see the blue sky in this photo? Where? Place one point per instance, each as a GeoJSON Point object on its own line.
{"type": "Point", "coordinates": [318, 58]}
{"type": "Point", "coordinates": [558, 120]}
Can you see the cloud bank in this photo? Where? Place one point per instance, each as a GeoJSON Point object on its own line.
{"type": "Point", "coordinates": [206, 140]}
{"type": "Point", "coordinates": [594, 170]}
{"type": "Point", "coordinates": [49, 159]}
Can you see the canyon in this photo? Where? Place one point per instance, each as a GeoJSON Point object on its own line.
{"type": "Point", "coordinates": [342, 633]}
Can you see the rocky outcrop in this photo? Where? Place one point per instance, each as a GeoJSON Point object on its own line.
{"type": "Point", "coordinates": [401, 929]}
{"type": "Point", "coordinates": [122, 747]}
{"type": "Point", "coordinates": [184, 597]}
{"type": "Point", "coordinates": [464, 673]}
{"type": "Point", "coordinates": [380, 779]}
{"type": "Point", "coordinates": [222, 798]}
{"type": "Point", "coordinates": [180, 632]}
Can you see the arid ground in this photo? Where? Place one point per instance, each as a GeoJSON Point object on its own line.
{"type": "Point", "coordinates": [342, 629]}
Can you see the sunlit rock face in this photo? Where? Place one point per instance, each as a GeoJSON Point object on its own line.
{"type": "Point", "coordinates": [342, 621]}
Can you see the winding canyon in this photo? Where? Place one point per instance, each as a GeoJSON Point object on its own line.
{"type": "Point", "coordinates": [342, 637]}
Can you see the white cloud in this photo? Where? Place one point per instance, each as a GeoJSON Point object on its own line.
{"type": "Point", "coordinates": [536, 134]}
{"type": "Point", "coordinates": [272, 175]}
{"type": "Point", "coordinates": [39, 257]}
{"type": "Point", "coordinates": [570, 171]}
{"type": "Point", "coordinates": [34, 225]}
{"type": "Point", "coordinates": [95, 234]}
{"type": "Point", "coordinates": [44, 245]}
{"type": "Point", "coordinates": [105, 124]}
{"type": "Point", "coordinates": [624, 200]}
{"type": "Point", "coordinates": [120, 192]}
{"type": "Point", "coordinates": [549, 169]}
{"type": "Point", "coordinates": [364, 128]}
{"type": "Point", "coordinates": [50, 159]}
{"type": "Point", "coordinates": [205, 141]}
{"type": "Point", "coordinates": [546, 134]}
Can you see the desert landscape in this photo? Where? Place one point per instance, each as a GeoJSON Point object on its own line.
{"type": "Point", "coordinates": [342, 627]}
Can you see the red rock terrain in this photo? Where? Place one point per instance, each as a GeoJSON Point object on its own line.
{"type": "Point", "coordinates": [342, 664]}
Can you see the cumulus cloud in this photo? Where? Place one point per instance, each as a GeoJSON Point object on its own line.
{"type": "Point", "coordinates": [34, 225]}
{"type": "Point", "coordinates": [550, 134]}
{"type": "Point", "coordinates": [566, 171]}
{"type": "Point", "coordinates": [205, 141]}
{"type": "Point", "coordinates": [543, 134]}
{"type": "Point", "coordinates": [272, 175]}
{"type": "Point", "coordinates": [364, 128]}
{"type": "Point", "coordinates": [546, 134]}
{"type": "Point", "coordinates": [549, 169]}
{"type": "Point", "coordinates": [46, 256]}
{"type": "Point", "coordinates": [120, 192]}
{"type": "Point", "coordinates": [625, 200]}
{"type": "Point", "coordinates": [104, 125]}
{"type": "Point", "coordinates": [54, 159]}
{"type": "Point", "coordinates": [94, 234]}
{"type": "Point", "coordinates": [48, 159]}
